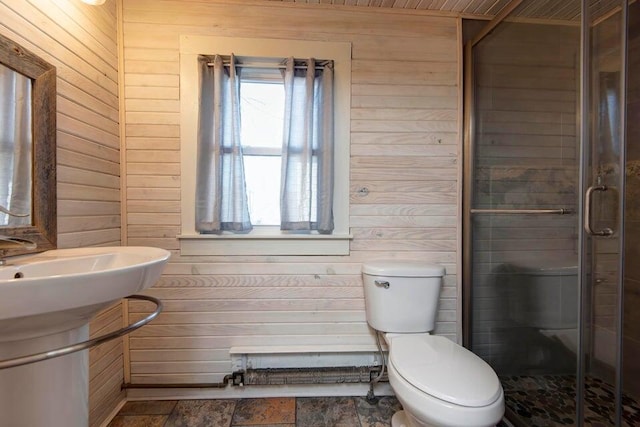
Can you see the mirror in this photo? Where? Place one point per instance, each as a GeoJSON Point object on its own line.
{"type": "Point", "coordinates": [27, 148]}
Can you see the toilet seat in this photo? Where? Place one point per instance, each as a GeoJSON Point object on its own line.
{"type": "Point", "coordinates": [440, 368]}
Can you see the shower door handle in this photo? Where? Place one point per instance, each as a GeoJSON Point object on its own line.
{"type": "Point", "coordinates": [587, 212]}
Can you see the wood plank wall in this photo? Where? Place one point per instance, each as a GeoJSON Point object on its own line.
{"type": "Point", "coordinates": [404, 151]}
{"type": "Point", "coordinates": [81, 42]}
{"type": "Point", "coordinates": [526, 158]}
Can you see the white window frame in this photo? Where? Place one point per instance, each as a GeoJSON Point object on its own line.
{"type": "Point", "coordinates": [263, 240]}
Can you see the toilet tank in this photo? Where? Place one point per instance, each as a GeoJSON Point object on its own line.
{"type": "Point", "coordinates": [402, 297]}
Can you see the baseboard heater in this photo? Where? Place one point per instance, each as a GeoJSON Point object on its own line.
{"type": "Point", "coordinates": [294, 365]}
{"type": "Point", "coordinates": [324, 375]}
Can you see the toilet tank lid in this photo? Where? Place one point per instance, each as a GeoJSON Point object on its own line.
{"type": "Point", "coordinates": [403, 269]}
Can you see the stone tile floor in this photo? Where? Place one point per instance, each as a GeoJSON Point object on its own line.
{"type": "Point", "coordinates": [267, 412]}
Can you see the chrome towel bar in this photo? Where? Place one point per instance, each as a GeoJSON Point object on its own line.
{"type": "Point", "coordinates": [561, 211]}
{"type": "Point", "coordinates": [39, 357]}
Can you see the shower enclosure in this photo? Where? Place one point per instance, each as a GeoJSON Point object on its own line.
{"type": "Point", "coordinates": [552, 208]}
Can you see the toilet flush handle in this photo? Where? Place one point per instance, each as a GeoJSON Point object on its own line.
{"type": "Point", "coordinates": [382, 283]}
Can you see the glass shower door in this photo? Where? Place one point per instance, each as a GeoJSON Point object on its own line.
{"type": "Point", "coordinates": [603, 225]}
{"type": "Point", "coordinates": [523, 215]}
{"type": "Point", "coordinates": [631, 326]}
{"type": "Point", "coordinates": [551, 158]}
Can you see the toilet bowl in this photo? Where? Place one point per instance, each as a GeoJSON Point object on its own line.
{"type": "Point", "coordinates": [438, 382]}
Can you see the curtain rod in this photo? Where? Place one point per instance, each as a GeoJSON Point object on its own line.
{"type": "Point", "coordinates": [276, 66]}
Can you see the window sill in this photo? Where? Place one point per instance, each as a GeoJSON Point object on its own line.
{"type": "Point", "coordinates": [264, 244]}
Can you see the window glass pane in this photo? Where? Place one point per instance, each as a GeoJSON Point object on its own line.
{"type": "Point", "coordinates": [262, 174]}
{"type": "Point", "coordinates": [262, 107]}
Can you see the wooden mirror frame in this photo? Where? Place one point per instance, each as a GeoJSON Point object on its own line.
{"type": "Point", "coordinates": [43, 228]}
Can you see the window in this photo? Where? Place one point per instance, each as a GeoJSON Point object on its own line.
{"type": "Point", "coordinates": [262, 109]}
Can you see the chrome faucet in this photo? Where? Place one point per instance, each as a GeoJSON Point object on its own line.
{"type": "Point", "coordinates": [9, 242]}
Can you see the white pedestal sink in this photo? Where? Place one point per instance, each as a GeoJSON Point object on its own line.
{"type": "Point", "coordinates": [46, 302]}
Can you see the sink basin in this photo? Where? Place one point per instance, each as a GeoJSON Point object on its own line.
{"type": "Point", "coordinates": [62, 289]}
{"type": "Point", "coordinates": [46, 303]}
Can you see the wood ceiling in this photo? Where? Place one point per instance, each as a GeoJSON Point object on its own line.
{"type": "Point", "coordinates": [561, 10]}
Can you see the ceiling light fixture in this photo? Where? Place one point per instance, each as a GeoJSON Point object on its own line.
{"type": "Point", "coordinates": [94, 2]}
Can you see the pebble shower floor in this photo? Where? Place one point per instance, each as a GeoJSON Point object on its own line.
{"type": "Point", "coordinates": [548, 401]}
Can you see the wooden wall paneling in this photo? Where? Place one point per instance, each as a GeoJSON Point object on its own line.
{"type": "Point", "coordinates": [404, 104]}
{"type": "Point", "coordinates": [106, 366]}
{"type": "Point", "coordinates": [80, 41]}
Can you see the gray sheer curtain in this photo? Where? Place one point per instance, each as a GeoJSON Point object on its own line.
{"type": "Point", "coordinates": [15, 147]}
{"type": "Point", "coordinates": [221, 197]}
{"type": "Point", "coordinates": [306, 195]}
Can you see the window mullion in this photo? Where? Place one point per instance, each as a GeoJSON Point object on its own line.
{"type": "Point", "coordinates": [261, 151]}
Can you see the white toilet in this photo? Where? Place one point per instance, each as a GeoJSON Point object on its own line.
{"type": "Point", "coordinates": [438, 382]}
